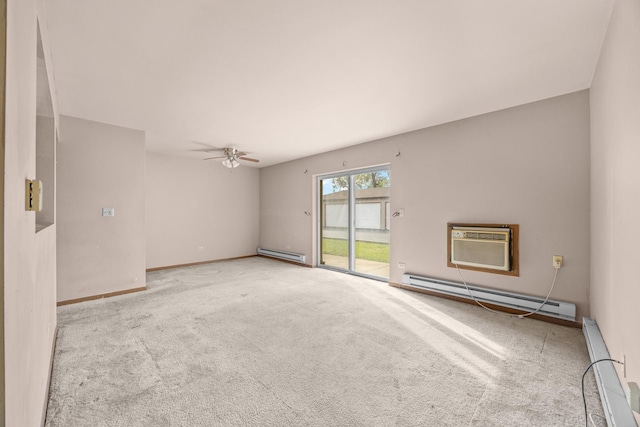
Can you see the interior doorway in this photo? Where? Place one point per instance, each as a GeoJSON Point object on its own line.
{"type": "Point", "coordinates": [354, 230]}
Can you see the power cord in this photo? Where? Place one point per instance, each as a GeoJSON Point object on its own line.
{"type": "Point", "coordinates": [520, 316]}
{"type": "Point", "coordinates": [584, 399]}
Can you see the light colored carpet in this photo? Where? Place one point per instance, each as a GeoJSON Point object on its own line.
{"type": "Point", "coordinates": [256, 342]}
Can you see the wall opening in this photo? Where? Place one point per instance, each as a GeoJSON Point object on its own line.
{"type": "Point", "coordinates": [45, 142]}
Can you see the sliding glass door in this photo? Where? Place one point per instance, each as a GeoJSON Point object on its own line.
{"type": "Point", "coordinates": [334, 231]}
{"type": "Point", "coordinates": [354, 222]}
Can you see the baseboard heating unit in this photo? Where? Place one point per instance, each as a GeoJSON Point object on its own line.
{"type": "Point", "coordinates": [614, 401]}
{"type": "Point", "coordinates": [557, 309]}
{"type": "Point", "coordinates": [287, 256]}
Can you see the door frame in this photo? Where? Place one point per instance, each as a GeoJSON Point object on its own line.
{"type": "Point", "coordinates": [351, 173]}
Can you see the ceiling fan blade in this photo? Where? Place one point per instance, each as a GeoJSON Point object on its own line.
{"type": "Point", "coordinates": [249, 159]}
{"type": "Point", "coordinates": [205, 150]}
{"type": "Point", "coordinates": [217, 157]}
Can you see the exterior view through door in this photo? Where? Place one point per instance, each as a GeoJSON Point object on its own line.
{"type": "Point", "coordinates": [355, 222]}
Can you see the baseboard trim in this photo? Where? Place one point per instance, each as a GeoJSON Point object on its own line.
{"type": "Point", "coordinates": [46, 399]}
{"type": "Point", "coordinates": [101, 296]}
{"type": "Point", "coordinates": [491, 306]}
{"type": "Point", "coordinates": [169, 267]}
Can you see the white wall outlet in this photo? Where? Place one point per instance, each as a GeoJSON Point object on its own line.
{"type": "Point", "coordinates": [557, 261]}
{"type": "Point", "coordinates": [108, 212]}
{"type": "Point", "coordinates": [402, 265]}
{"type": "Point", "coordinates": [401, 212]}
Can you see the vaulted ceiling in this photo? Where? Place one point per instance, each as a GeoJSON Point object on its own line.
{"type": "Point", "coordinates": [284, 79]}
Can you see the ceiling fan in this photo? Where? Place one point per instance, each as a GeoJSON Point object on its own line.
{"type": "Point", "coordinates": [231, 157]}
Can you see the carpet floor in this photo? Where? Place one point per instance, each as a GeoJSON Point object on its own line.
{"type": "Point", "coordinates": [257, 342]}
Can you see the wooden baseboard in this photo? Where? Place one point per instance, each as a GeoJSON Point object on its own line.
{"type": "Point", "coordinates": [100, 296]}
{"type": "Point", "coordinates": [169, 267]}
{"type": "Point", "coordinates": [491, 306]}
{"type": "Point", "coordinates": [46, 398]}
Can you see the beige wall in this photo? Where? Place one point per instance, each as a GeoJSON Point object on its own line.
{"type": "Point", "coordinates": [29, 258]}
{"type": "Point", "coordinates": [615, 180]}
{"type": "Point", "coordinates": [199, 211]}
{"type": "Point", "coordinates": [527, 165]}
{"type": "Point", "coordinates": [99, 166]}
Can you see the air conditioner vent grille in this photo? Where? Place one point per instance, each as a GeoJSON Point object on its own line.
{"type": "Point", "coordinates": [485, 236]}
{"type": "Point", "coordinates": [481, 253]}
{"type": "Point", "coordinates": [491, 248]}
{"type": "Point", "coordinates": [482, 247]}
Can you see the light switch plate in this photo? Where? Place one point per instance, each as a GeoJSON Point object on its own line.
{"type": "Point", "coordinates": [108, 212]}
{"type": "Point", "coordinates": [33, 196]}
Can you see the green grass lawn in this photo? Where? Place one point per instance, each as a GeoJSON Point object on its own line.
{"type": "Point", "coordinates": [364, 250]}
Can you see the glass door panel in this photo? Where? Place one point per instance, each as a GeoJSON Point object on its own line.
{"type": "Point", "coordinates": [371, 223]}
{"type": "Point", "coordinates": [334, 228]}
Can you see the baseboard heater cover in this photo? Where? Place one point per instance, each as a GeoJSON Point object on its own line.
{"type": "Point", "coordinates": [614, 401]}
{"type": "Point", "coordinates": [288, 256]}
{"type": "Point", "coordinates": [557, 309]}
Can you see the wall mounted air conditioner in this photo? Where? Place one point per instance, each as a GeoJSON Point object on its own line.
{"type": "Point", "coordinates": [481, 247]}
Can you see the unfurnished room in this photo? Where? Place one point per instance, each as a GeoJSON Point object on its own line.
{"type": "Point", "coordinates": [320, 213]}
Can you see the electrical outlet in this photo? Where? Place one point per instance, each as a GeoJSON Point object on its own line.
{"type": "Point", "coordinates": [401, 212]}
{"type": "Point", "coordinates": [108, 212]}
{"type": "Point", "coordinates": [557, 261]}
{"type": "Point", "coordinates": [402, 265]}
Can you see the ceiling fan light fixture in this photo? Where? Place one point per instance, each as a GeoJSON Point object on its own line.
{"type": "Point", "coordinates": [230, 163]}
{"type": "Point", "coordinates": [231, 157]}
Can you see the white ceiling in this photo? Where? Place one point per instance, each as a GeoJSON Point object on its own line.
{"type": "Point", "coordinates": [284, 79]}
